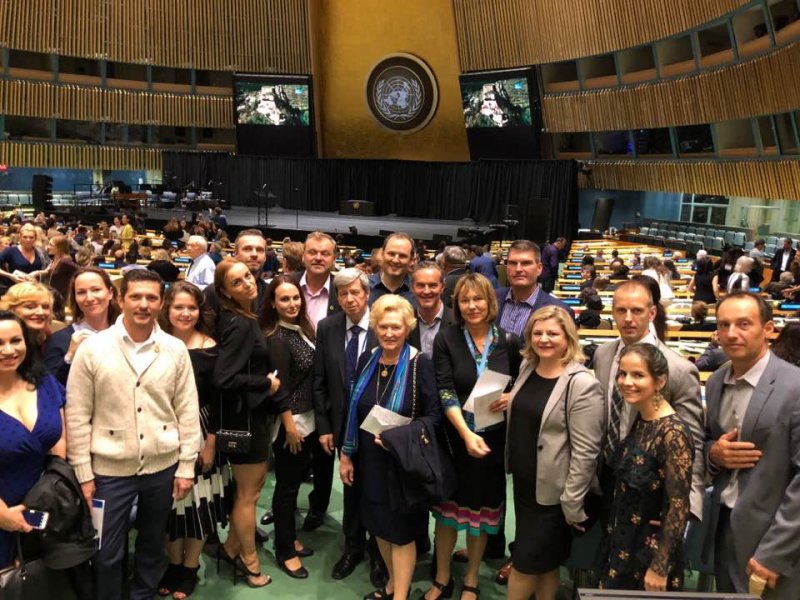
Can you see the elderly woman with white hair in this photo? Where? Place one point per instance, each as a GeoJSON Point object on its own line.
{"type": "Point", "coordinates": [201, 271]}
{"type": "Point", "coordinates": [398, 378]}
{"type": "Point", "coordinates": [740, 279]}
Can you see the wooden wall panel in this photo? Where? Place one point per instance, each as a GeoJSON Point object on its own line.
{"type": "Point", "coordinates": [777, 179]}
{"type": "Point", "coordinates": [266, 36]}
{"type": "Point", "coordinates": [512, 33]}
{"type": "Point", "coordinates": [74, 156]}
{"type": "Point", "coordinates": [47, 100]}
{"type": "Point", "coordinates": [766, 85]}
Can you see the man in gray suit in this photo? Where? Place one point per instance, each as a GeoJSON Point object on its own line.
{"type": "Point", "coordinates": [633, 310]}
{"type": "Point", "coordinates": [753, 452]}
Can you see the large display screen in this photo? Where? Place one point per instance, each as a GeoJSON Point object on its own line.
{"type": "Point", "coordinates": [493, 102]}
{"type": "Point", "coordinates": [272, 103]}
{"type": "Point", "coordinates": [273, 115]}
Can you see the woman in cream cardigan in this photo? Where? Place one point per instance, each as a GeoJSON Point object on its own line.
{"type": "Point", "coordinates": [556, 415]}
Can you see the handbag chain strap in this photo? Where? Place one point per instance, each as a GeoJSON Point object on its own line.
{"type": "Point", "coordinates": [414, 389]}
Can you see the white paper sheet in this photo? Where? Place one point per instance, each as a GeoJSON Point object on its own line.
{"type": "Point", "coordinates": [382, 419]}
{"type": "Point", "coordinates": [488, 388]}
{"type": "Point", "coordinates": [98, 512]}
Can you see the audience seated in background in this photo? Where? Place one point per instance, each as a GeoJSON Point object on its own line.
{"type": "Point", "coordinates": [590, 317]}
{"type": "Point", "coordinates": [713, 356]}
{"type": "Point", "coordinates": [787, 346]}
{"type": "Point", "coordinates": [699, 316]}
{"type": "Point", "coordinates": [776, 288]}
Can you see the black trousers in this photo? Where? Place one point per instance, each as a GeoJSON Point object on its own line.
{"type": "Point", "coordinates": [152, 495]}
{"type": "Point", "coordinates": [290, 469]}
{"type": "Point", "coordinates": [322, 467]}
{"type": "Point", "coordinates": [547, 283]}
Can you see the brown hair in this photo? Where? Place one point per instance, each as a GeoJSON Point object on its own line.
{"type": "Point", "coordinates": [475, 282]}
{"type": "Point", "coordinates": [113, 304]}
{"type": "Point", "coordinates": [269, 316]}
{"type": "Point", "coordinates": [226, 301]}
{"type": "Point", "coordinates": [205, 318]}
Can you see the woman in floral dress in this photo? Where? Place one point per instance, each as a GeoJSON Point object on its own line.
{"type": "Point", "coordinates": [644, 538]}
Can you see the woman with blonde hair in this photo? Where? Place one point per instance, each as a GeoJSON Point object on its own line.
{"type": "Point", "coordinates": [653, 267]}
{"type": "Point", "coordinates": [400, 379]}
{"type": "Point", "coordinates": [33, 303]}
{"type": "Point", "coordinates": [18, 262]}
{"type": "Point", "coordinates": [556, 415]}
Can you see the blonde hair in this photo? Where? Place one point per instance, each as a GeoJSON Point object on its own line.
{"type": "Point", "coordinates": [20, 293]}
{"type": "Point", "coordinates": [573, 352]}
{"type": "Point", "coordinates": [392, 303]}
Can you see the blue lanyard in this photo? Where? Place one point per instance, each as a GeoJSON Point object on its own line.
{"type": "Point", "coordinates": [480, 366]}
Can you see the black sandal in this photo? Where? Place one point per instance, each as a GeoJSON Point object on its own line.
{"type": "Point", "coordinates": [445, 591]}
{"type": "Point", "coordinates": [169, 581]}
{"type": "Point", "coordinates": [187, 583]}
{"type": "Point", "coordinates": [470, 590]}
{"type": "Point", "coordinates": [379, 594]}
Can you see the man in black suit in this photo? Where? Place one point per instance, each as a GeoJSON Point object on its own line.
{"type": "Point", "coordinates": [783, 259]}
{"type": "Point", "coordinates": [316, 282]}
{"type": "Point", "coordinates": [341, 339]}
{"type": "Point", "coordinates": [427, 285]}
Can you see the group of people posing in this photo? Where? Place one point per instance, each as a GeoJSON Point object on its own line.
{"type": "Point", "coordinates": [176, 400]}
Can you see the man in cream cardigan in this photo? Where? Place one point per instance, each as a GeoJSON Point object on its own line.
{"type": "Point", "coordinates": [134, 432]}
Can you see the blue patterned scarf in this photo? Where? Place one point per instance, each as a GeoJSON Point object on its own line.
{"type": "Point", "coordinates": [396, 398]}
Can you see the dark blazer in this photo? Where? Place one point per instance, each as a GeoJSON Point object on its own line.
{"type": "Point", "coordinates": [333, 300]}
{"type": "Point", "coordinates": [764, 520]}
{"type": "Point", "coordinates": [54, 351]}
{"type": "Point", "coordinates": [450, 281]}
{"type": "Point", "coordinates": [414, 336]}
{"type": "Point", "coordinates": [776, 262]}
{"type": "Point", "coordinates": [542, 300]}
{"type": "Point", "coordinates": [329, 389]}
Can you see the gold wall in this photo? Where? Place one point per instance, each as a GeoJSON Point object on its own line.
{"type": "Point", "coordinates": [47, 101]}
{"type": "Point", "coordinates": [766, 85]}
{"type": "Point", "coordinates": [268, 36]}
{"type": "Point", "coordinates": [510, 33]}
{"type": "Point", "coordinates": [349, 38]}
{"type": "Point", "coordinates": [756, 179]}
{"type": "Point", "coordinates": [76, 156]}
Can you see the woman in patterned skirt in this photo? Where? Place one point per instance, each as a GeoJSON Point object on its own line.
{"type": "Point", "coordinates": [197, 515]}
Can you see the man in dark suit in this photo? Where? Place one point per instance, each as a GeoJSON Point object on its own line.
{"type": "Point", "coordinates": [752, 450]}
{"type": "Point", "coordinates": [783, 259]}
{"type": "Point", "coordinates": [250, 248]}
{"type": "Point", "coordinates": [341, 339]}
{"type": "Point", "coordinates": [454, 263]}
{"type": "Point", "coordinates": [427, 284]}
{"type": "Point", "coordinates": [316, 283]}
{"type": "Point", "coordinates": [517, 303]}
{"type": "Point", "coordinates": [551, 254]}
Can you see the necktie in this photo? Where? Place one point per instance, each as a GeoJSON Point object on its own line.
{"type": "Point", "coordinates": [351, 356]}
{"type": "Point", "coordinates": [614, 436]}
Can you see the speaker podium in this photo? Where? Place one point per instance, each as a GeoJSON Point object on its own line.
{"type": "Point", "coordinates": [362, 208]}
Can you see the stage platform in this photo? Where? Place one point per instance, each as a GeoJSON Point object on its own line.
{"type": "Point", "coordinates": [281, 220]}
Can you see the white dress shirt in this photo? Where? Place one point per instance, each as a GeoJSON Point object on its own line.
{"type": "Point", "coordinates": [201, 271]}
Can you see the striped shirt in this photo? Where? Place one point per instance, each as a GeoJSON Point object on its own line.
{"type": "Point", "coordinates": [515, 315]}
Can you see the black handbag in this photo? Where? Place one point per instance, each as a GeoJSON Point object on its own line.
{"type": "Point", "coordinates": [235, 441]}
{"type": "Point", "coordinates": [32, 580]}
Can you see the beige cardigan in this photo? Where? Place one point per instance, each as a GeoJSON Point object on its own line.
{"type": "Point", "coordinates": [122, 424]}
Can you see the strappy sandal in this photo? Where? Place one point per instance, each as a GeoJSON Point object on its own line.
{"type": "Point", "coordinates": [445, 591]}
{"type": "Point", "coordinates": [468, 589]}
{"type": "Point", "coordinates": [379, 594]}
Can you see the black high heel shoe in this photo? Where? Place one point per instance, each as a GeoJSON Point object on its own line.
{"type": "Point", "coordinates": [239, 568]}
{"type": "Point", "coordinates": [224, 557]}
{"type": "Point", "coordinates": [445, 591]}
{"type": "Point", "coordinates": [299, 573]}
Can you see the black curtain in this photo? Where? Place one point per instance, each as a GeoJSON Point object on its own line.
{"type": "Point", "coordinates": [542, 194]}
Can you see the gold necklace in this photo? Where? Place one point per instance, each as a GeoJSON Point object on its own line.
{"type": "Point", "coordinates": [385, 369]}
{"type": "Point", "coordinates": [378, 394]}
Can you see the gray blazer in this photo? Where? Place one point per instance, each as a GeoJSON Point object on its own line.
{"type": "Point", "coordinates": [566, 465]}
{"type": "Point", "coordinates": [764, 522]}
{"type": "Point", "coordinates": [683, 394]}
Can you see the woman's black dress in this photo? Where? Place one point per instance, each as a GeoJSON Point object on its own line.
{"type": "Point", "coordinates": [654, 479]}
{"type": "Point", "coordinates": [372, 463]}
{"type": "Point", "coordinates": [543, 539]}
{"type": "Point", "coordinates": [241, 375]}
{"type": "Point", "coordinates": [704, 288]}
{"type": "Point", "coordinates": [477, 505]}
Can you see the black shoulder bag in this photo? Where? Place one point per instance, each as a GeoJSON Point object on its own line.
{"type": "Point", "coordinates": [235, 441]}
{"type": "Point", "coordinates": [32, 580]}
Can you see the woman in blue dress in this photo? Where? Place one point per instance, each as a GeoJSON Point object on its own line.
{"type": "Point", "coordinates": [31, 425]}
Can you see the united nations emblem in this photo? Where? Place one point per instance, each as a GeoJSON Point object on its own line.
{"type": "Point", "coordinates": [401, 93]}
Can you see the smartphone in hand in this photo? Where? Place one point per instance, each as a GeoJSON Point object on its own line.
{"type": "Point", "coordinates": [36, 518]}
